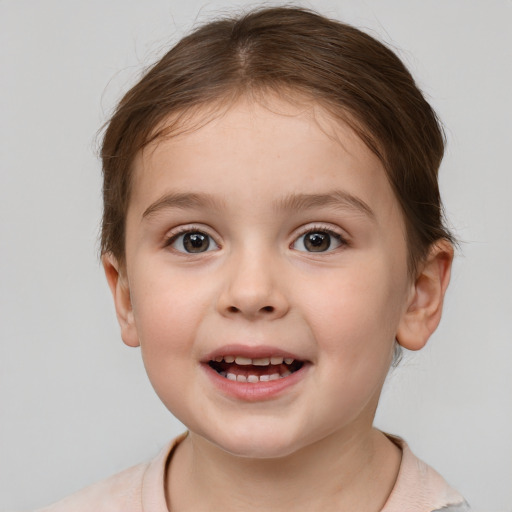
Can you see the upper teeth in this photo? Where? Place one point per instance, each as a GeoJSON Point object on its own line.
{"type": "Point", "coordinates": [243, 360]}
{"type": "Point", "coordinates": [257, 361]}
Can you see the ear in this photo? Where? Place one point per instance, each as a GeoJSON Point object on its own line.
{"type": "Point", "coordinates": [118, 283]}
{"type": "Point", "coordinates": [425, 304]}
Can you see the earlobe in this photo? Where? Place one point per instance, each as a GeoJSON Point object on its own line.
{"type": "Point", "coordinates": [118, 284]}
{"type": "Point", "coordinates": [424, 308]}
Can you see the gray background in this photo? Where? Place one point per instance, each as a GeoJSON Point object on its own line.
{"type": "Point", "coordinates": [75, 403]}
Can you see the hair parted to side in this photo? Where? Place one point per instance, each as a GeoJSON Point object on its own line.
{"type": "Point", "coordinates": [282, 49]}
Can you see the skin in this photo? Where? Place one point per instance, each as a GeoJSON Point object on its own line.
{"type": "Point", "coordinates": [339, 310]}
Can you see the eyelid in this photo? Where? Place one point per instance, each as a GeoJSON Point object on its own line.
{"type": "Point", "coordinates": [319, 226]}
{"type": "Point", "coordinates": [172, 235]}
{"type": "Point", "coordinates": [334, 231]}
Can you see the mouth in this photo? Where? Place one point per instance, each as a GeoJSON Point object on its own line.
{"type": "Point", "coordinates": [254, 370]}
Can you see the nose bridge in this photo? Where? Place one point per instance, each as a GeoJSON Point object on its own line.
{"type": "Point", "coordinates": [253, 287]}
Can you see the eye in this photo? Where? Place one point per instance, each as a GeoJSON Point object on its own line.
{"type": "Point", "coordinates": [318, 241]}
{"type": "Point", "coordinates": [192, 242]}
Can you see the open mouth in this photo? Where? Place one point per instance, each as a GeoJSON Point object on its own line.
{"type": "Point", "coordinates": [262, 369]}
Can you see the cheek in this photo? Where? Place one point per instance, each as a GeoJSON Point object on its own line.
{"type": "Point", "coordinates": [167, 314]}
{"type": "Point", "coordinates": [356, 316]}
{"type": "Point", "coordinates": [354, 324]}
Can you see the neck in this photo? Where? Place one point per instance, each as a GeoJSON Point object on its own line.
{"type": "Point", "coordinates": [352, 471]}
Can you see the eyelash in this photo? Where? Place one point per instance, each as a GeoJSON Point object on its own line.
{"type": "Point", "coordinates": [173, 237]}
{"type": "Point", "coordinates": [342, 241]}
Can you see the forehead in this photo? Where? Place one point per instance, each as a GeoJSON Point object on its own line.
{"type": "Point", "coordinates": [272, 147]}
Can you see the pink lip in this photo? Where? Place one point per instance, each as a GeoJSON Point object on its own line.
{"type": "Point", "coordinates": [257, 391]}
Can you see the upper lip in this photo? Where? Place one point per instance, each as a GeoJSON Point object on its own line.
{"type": "Point", "coordinates": [252, 352]}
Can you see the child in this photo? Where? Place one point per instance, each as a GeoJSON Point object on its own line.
{"type": "Point", "coordinates": [272, 234]}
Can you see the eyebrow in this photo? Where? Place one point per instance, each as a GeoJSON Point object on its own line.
{"type": "Point", "coordinates": [338, 199]}
{"type": "Point", "coordinates": [182, 201]}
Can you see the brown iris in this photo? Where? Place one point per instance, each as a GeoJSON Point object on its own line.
{"type": "Point", "coordinates": [317, 241]}
{"type": "Point", "coordinates": [196, 242]}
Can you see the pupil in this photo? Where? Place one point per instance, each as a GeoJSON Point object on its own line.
{"type": "Point", "coordinates": [317, 242]}
{"type": "Point", "coordinates": [196, 242]}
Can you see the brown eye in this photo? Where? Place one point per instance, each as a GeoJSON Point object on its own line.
{"type": "Point", "coordinates": [318, 241]}
{"type": "Point", "coordinates": [192, 242]}
{"type": "Point", "coordinates": [196, 242]}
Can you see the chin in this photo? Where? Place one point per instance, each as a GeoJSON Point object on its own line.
{"type": "Point", "coordinates": [255, 450]}
{"type": "Point", "coordinates": [257, 443]}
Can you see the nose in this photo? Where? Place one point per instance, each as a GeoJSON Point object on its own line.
{"type": "Point", "coordinates": [253, 289]}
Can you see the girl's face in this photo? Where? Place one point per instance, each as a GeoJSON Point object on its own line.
{"type": "Point", "coordinates": [270, 232]}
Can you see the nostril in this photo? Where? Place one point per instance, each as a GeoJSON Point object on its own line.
{"type": "Point", "coordinates": [250, 311]}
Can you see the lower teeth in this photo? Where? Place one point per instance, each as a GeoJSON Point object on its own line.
{"type": "Point", "coordinates": [274, 372]}
{"type": "Point", "coordinates": [255, 378]}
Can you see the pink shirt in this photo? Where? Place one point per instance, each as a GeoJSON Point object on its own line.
{"type": "Point", "coordinates": [418, 488]}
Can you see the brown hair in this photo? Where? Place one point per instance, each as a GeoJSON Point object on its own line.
{"type": "Point", "coordinates": [283, 49]}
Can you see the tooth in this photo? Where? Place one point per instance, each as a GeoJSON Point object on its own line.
{"type": "Point", "coordinates": [231, 376]}
{"type": "Point", "coordinates": [241, 378]}
{"type": "Point", "coordinates": [229, 359]}
{"type": "Point", "coordinates": [262, 361]}
{"type": "Point", "coordinates": [286, 373]}
{"type": "Point", "coordinates": [276, 360]}
{"type": "Point", "coordinates": [224, 374]}
{"type": "Point", "coordinates": [264, 378]}
{"type": "Point", "coordinates": [252, 378]}
{"type": "Point", "coordinates": [243, 360]}
{"type": "Point", "coordinates": [219, 359]}
{"type": "Point", "coordinates": [274, 376]}
{"type": "Point", "coordinates": [288, 360]}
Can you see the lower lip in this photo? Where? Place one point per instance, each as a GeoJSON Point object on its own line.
{"type": "Point", "coordinates": [255, 391]}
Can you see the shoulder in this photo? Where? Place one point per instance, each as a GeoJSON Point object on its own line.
{"type": "Point", "coordinates": [135, 489]}
{"type": "Point", "coordinates": [119, 493]}
{"type": "Point", "coordinates": [419, 488]}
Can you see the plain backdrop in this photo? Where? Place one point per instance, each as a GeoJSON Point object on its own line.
{"type": "Point", "coordinates": [75, 403]}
